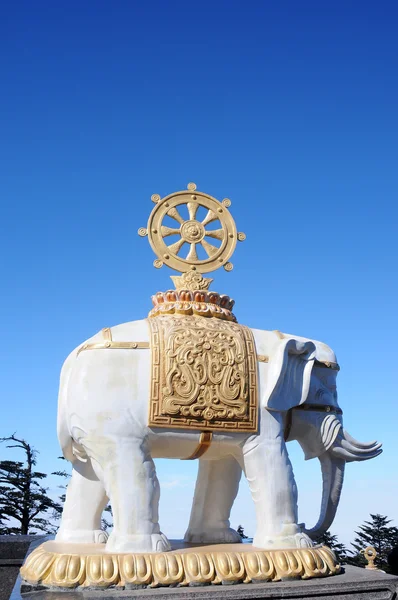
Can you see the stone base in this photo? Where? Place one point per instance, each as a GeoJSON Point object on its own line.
{"type": "Point", "coordinates": [81, 566]}
{"type": "Point", "coordinates": [352, 583]}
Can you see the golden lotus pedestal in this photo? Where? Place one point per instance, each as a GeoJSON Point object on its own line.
{"type": "Point", "coordinates": [71, 566]}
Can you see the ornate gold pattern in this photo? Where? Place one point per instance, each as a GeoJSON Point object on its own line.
{"type": "Point", "coordinates": [204, 374]}
{"type": "Point", "coordinates": [199, 303]}
{"type": "Point", "coordinates": [192, 232]}
{"type": "Point", "coordinates": [209, 564]}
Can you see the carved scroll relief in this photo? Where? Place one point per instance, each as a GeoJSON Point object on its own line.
{"type": "Point", "coordinates": [204, 374]}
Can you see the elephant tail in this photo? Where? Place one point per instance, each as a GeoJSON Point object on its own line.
{"type": "Point", "coordinates": [64, 436]}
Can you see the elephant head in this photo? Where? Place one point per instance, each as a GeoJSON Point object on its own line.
{"type": "Point", "coordinates": [302, 382]}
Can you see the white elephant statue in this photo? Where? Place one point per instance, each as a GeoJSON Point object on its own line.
{"type": "Point", "coordinates": [103, 430]}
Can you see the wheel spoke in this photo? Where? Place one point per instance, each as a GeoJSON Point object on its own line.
{"type": "Point", "coordinates": [176, 247]}
{"type": "Point", "coordinates": [217, 234]}
{"type": "Point", "coordinates": [209, 248]}
{"type": "Point", "coordinates": [174, 214]}
{"type": "Point", "coordinates": [211, 216]}
{"type": "Point", "coordinates": [192, 209]}
{"type": "Point", "coordinates": [192, 254]}
{"type": "Point", "coordinates": [165, 231]}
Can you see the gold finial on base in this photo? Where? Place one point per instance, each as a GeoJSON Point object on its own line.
{"type": "Point", "coordinates": [370, 555]}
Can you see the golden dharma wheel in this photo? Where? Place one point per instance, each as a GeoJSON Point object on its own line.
{"type": "Point", "coordinates": [175, 231]}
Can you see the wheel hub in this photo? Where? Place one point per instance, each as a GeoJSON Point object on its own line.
{"type": "Point", "coordinates": [192, 231]}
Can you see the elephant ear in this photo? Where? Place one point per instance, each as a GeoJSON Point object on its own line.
{"type": "Point", "coordinates": [289, 374]}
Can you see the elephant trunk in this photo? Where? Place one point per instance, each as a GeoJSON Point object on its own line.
{"type": "Point", "coordinates": [332, 478]}
{"type": "Point", "coordinates": [340, 448]}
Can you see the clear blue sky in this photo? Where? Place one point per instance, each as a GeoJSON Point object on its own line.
{"type": "Point", "coordinates": [289, 109]}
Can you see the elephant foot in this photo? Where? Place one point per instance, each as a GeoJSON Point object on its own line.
{"type": "Point", "coordinates": [155, 542]}
{"type": "Point", "coordinates": [291, 537]}
{"type": "Point", "coordinates": [82, 536]}
{"type": "Point", "coordinates": [213, 536]}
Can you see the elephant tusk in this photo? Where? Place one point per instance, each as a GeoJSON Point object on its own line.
{"type": "Point", "coordinates": [349, 449]}
{"type": "Point", "coordinates": [358, 451]}
{"type": "Point", "coordinates": [348, 456]}
{"type": "Point", "coordinates": [356, 444]}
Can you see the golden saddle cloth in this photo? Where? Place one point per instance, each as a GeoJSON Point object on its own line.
{"type": "Point", "coordinates": [204, 374]}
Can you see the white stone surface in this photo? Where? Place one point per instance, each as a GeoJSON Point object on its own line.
{"type": "Point", "coordinates": [102, 428]}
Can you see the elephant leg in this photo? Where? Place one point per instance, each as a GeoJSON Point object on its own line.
{"type": "Point", "coordinates": [216, 489]}
{"type": "Point", "coordinates": [84, 503]}
{"type": "Point", "coordinates": [270, 476]}
{"type": "Point", "coordinates": [133, 487]}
